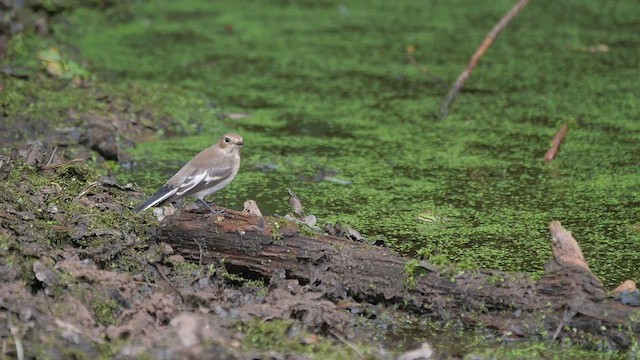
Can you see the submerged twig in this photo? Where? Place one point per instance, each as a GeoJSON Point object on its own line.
{"type": "Point", "coordinates": [557, 140]}
{"type": "Point", "coordinates": [412, 60]}
{"type": "Point", "coordinates": [488, 40]}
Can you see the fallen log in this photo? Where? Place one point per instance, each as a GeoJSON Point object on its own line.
{"type": "Point", "coordinates": [569, 301]}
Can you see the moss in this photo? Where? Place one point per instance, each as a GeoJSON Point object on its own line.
{"type": "Point", "coordinates": [413, 270]}
{"type": "Point", "coordinates": [153, 254]}
{"type": "Point", "coordinates": [35, 193]}
{"type": "Point", "coordinates": [104, 309]}
{"type": "Point", "coordinates": [307, 231]}
{"type": "Point", "coordinates": [495, 279]}
{"type": "Point", "coordinates": [276, 235]}
{"type": "Point", "coordinates": [544, 351]}
{"type": "Point", "coordinates": [282, 336]}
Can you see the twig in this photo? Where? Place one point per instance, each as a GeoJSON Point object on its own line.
{"type": "Point", "coordinates": [560, 325]}
{"type": "Point", "coordinates": [53, 166]}
{"type": "Point", "coordinates": [488, 40]}
{"type": "Point", "coordinates": [422, 68]}
{"type": "Point", "coordinates": [558, 138]}
{"type": "Point", "coordinates": [164, 277]}
{"type": "Point", "coordinates": [568, 315]}
{"type": "Point", "coordinates": [53, 153]}
{"type": "Point", "coordinates": [17, 338]}
{"type": "Point", "coordinates": [347, 343]}
{"type": "Point", "coordinates": [83, 192]}
{"type": "Point", "coordinates": [146, 283]}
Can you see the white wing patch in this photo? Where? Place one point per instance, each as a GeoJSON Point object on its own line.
{"type": "Point", "coordinates": [209, 178]}
{"type": "Point", "coordinates": [191, 182]}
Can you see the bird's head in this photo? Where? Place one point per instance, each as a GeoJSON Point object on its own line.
{"type": "Point", "coordinates": [230, 142]}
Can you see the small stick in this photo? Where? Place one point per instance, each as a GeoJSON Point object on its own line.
{"type": "Point", "coordinates": [53, 153]}
{"type": "Point", "coordinates": [53, 166]}
{"type": "Point", "coordinates": [560, 325]}
{"type": "Point", "coordinates": [17, 338]}
{"type": "Point", "coordinates": [164, 277]}
{"type": "Point", "coordinates": [568, 315]}
{"type": "Point", "coordinates": [422, 68]}
{"type": "Point", "coordinates": [557, 140]}
{"type": "Point", "coordinates": [346, 342]}
{"type": "Point", "coordinates": [83, 192]}
{"type": "Point", "coordinates": [488, 40]}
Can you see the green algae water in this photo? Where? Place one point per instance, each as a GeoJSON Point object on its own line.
{"type": "Point", "coordinates": [330, 106]}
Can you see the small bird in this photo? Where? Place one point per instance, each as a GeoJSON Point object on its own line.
{"type": "Point", "coordinates": [209, 171]}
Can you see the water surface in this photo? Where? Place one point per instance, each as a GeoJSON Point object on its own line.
{"type": "Point", "coordinates": [339, 114]}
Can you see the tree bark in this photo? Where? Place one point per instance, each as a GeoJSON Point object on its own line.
{"type": "Point", "coordinates": [568, 301]}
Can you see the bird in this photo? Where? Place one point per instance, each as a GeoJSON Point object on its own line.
{"type": "Point", "coordinates": [209, 171]}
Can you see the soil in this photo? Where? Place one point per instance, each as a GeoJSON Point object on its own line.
{"type": "Point", "coordinates": [81, 276]}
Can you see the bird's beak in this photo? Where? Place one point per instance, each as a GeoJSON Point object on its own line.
{"type": "Point", "coordinates": [239, 143]}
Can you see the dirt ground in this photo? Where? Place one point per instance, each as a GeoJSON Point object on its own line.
{"type": "Point", "coordinates": [81, 277]}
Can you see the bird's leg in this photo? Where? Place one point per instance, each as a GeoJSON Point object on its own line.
{"type": "Point", "coordinates": [212, 210]}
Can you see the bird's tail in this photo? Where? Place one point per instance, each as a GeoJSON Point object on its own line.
{"type": "Point", "coordinates": [161, 195]}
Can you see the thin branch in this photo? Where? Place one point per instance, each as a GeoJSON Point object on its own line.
{"type": "Point", "coordinates": [53, 154]}
{"type": "Point", "coordinates": [560, 325]}
{"type": "Point", "coordinates": [164, 277]}
{"type": "Point", "coordinates": [412, 60]}
{"type": "Point", "coordinates": [558, 138]}
{"type": "Point", "coordinates": [340, 338]}
{"type": "Point", "coordinates": [53, 166]}
{"type": "Point", "coordinates": [488, 40]}
{"type": "Point", "coordinates": [86, 190]}
{"type": "Point", "coordinates": [17, 338]}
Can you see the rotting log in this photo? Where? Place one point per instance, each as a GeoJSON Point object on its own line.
{"type": "Point", "coordinates": [569, 301]}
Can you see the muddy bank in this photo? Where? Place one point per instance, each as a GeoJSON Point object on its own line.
{"type": "Point", "coordinates": [82, 276]}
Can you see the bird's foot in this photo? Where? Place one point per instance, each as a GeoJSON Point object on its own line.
{"type": "Point", "coordinates": [211, 209]}
{"type": "Point", "coordinates": [220, 211]}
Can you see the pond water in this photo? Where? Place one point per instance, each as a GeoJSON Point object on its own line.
{"type": "Point", "coordinates": [330, 106]}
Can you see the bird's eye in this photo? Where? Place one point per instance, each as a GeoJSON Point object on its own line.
{"type": "Point", "coordinates": [227, 139]}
